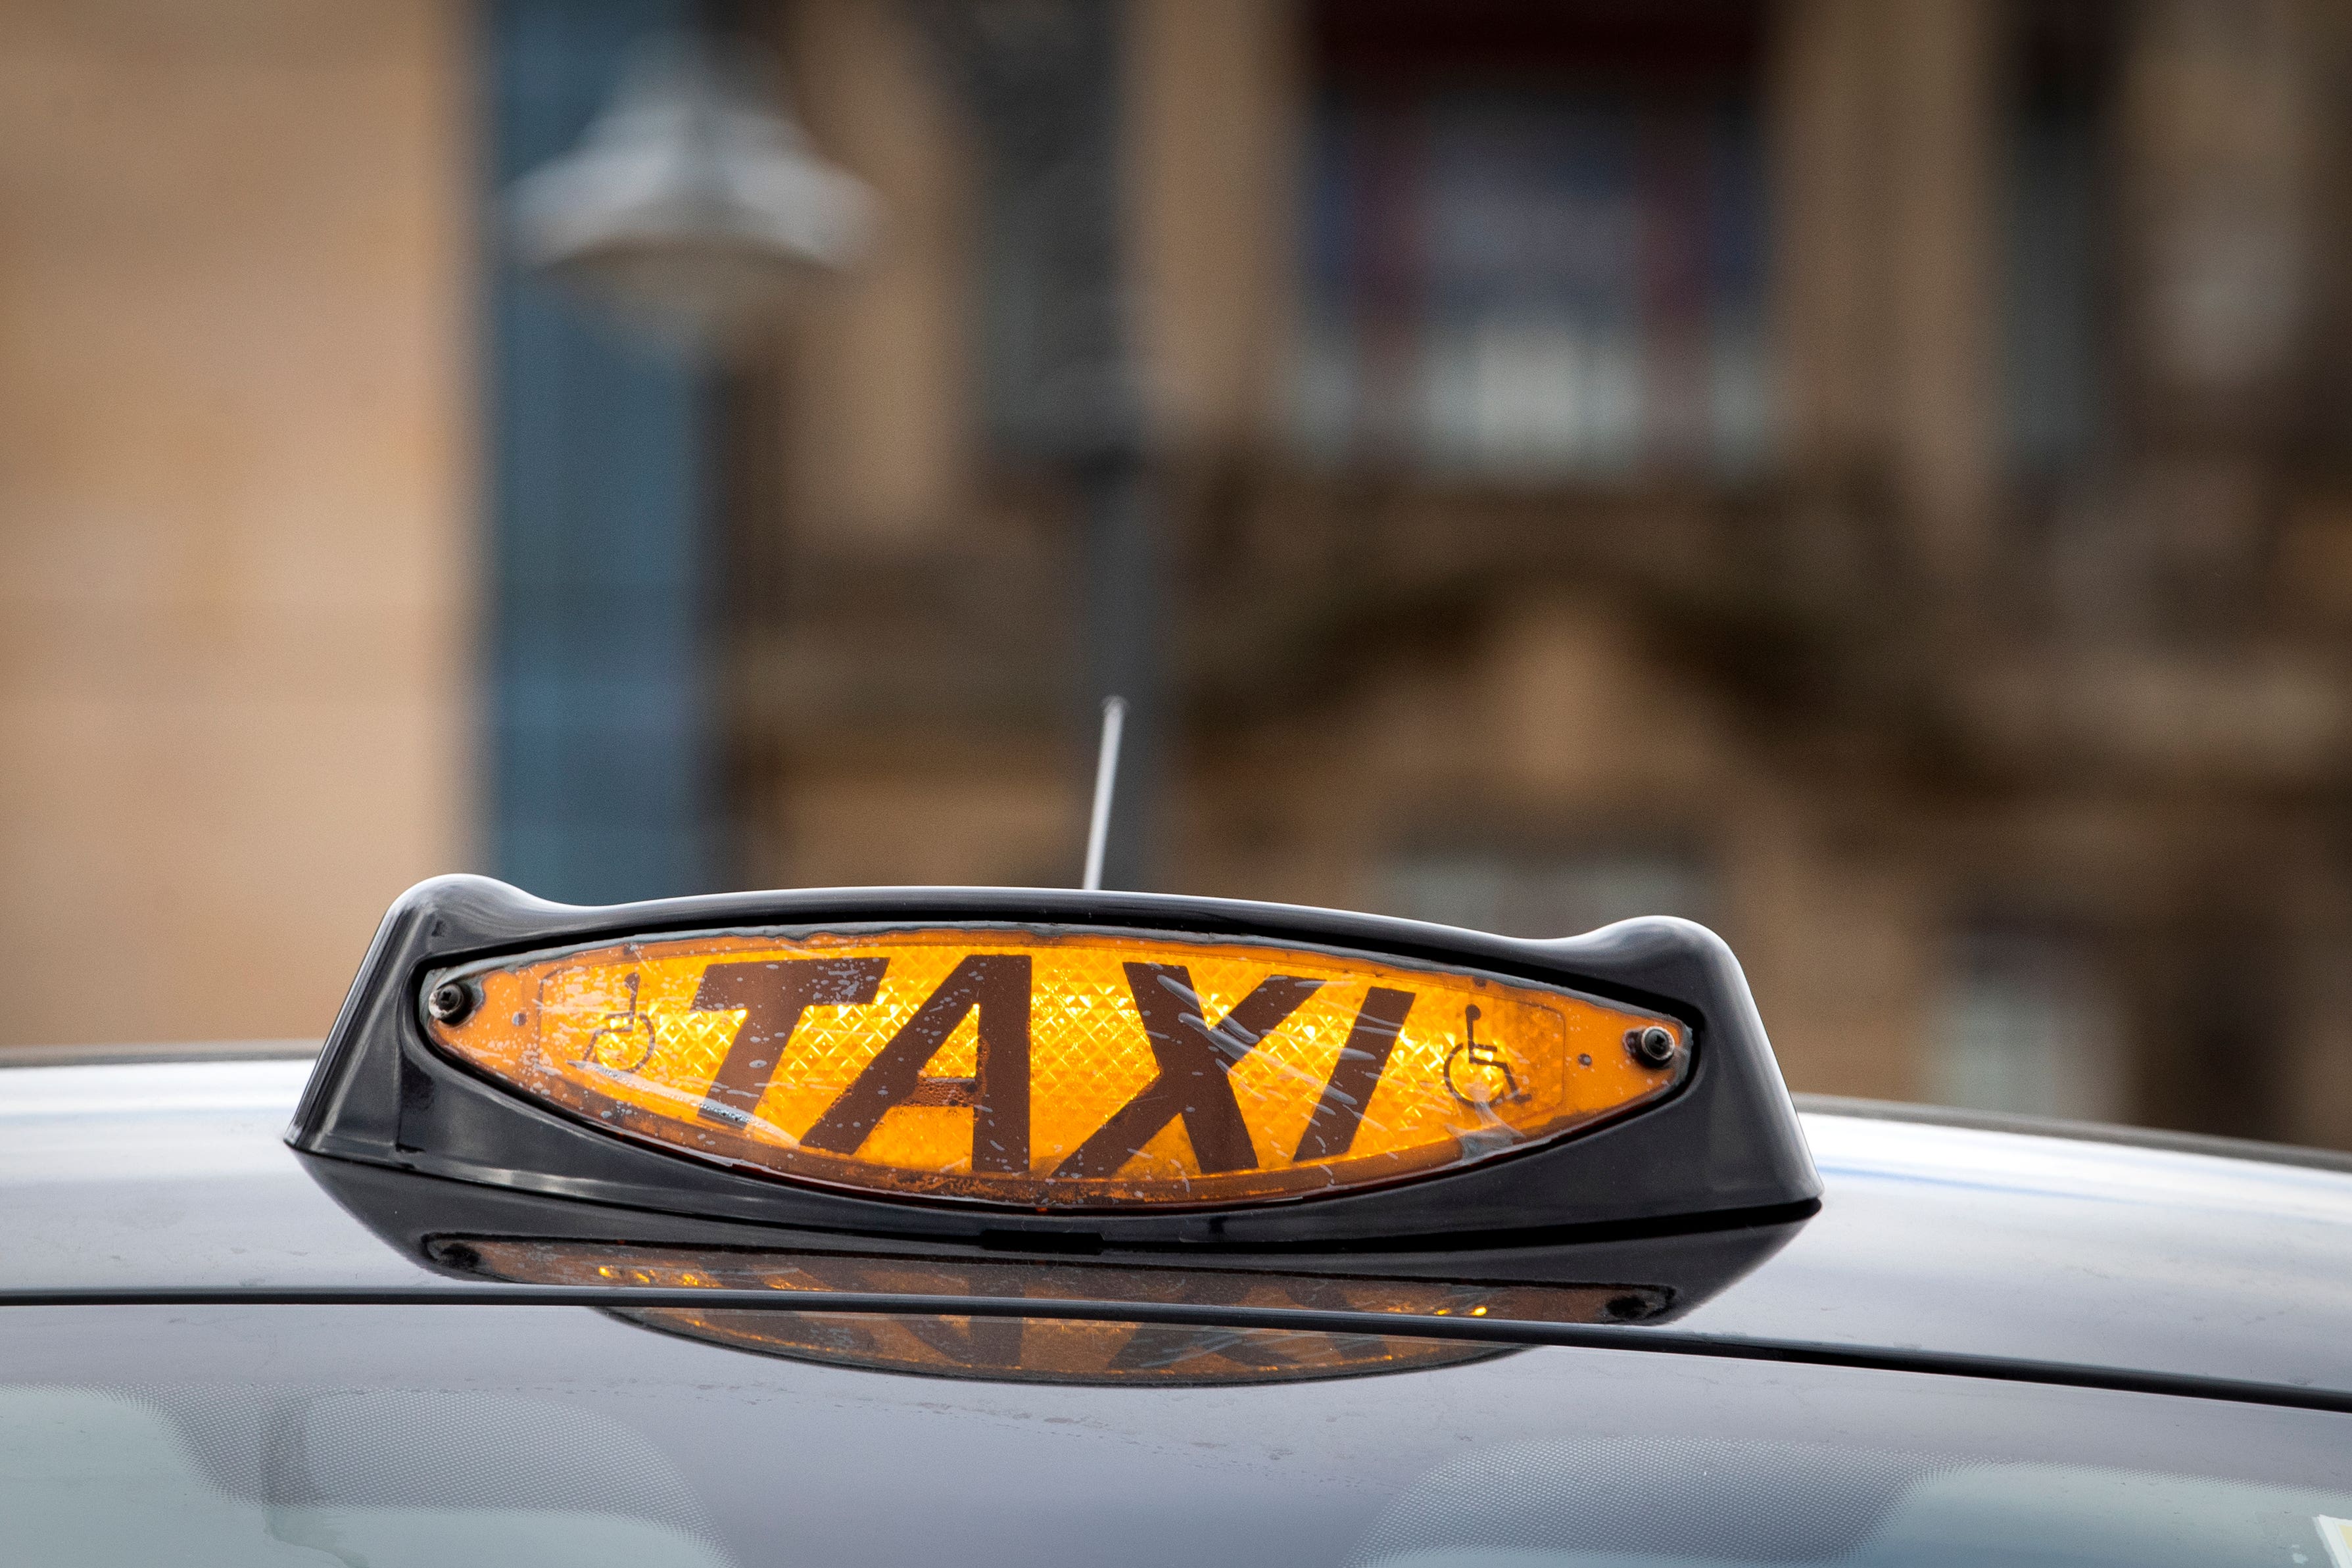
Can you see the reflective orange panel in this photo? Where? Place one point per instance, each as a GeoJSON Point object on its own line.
{"type": "Point", "coordinates": [1052, 1068]}
{"type": "Point", "coordinates": [1048, 1350]}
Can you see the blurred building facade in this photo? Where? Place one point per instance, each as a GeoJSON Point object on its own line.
{"type": "Point", "coordinates": [1869, 475]}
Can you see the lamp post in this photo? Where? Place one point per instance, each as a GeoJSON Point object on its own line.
{"type": "Point", "coordinates": [682, 200]}
{"type": "Point", "coordinates": [1041, 78]}
{"type": "Point", "coordinates": [693, 204]}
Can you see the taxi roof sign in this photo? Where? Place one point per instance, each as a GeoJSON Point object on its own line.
{"type": "Point", "coordinates": [1051, 1067]}
{"type": "Point", "coordinates": [1097, 1068]}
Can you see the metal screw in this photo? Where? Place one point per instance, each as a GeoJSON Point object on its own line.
{"type": "Point", "coordinates": [1653, 1047]}
{"type": "Point", "coordinates": [453, 1001]}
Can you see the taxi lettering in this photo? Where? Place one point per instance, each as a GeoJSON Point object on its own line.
{"type": "Point", "coordinates": [1192, 1056]}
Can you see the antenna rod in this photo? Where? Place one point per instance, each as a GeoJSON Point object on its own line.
{"type": "Point", "coordinates": [1114, 711]}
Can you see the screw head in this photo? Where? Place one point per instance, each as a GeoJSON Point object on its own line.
{"type": "Point", "coordinates": [453, 1001]}
{"type": "Point", "coordinates": [1651, 1046]}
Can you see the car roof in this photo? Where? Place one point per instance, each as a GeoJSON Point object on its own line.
{"type": "Point", "coordinates": [2045, 1244]}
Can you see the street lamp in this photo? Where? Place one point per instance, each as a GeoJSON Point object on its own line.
{"type": "Point", "coordinates": [693, 204]}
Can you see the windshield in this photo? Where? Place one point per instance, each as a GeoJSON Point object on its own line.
{"type": "Point", "coordinates": [519, 1436]}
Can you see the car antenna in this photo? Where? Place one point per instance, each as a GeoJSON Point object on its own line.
{"type": "Point", "coordinates": [1114, 720]}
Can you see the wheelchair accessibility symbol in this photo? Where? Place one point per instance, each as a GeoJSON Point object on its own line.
{"type": "Point", "coordinates": [1480, 1063]}
{"type": "Point", "coordinates": [624, 1042]}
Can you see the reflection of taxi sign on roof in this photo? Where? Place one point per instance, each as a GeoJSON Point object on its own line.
{"type": "Point", "coordinates": [1049, 1067]}
{"type": "Point", "coordinates": [1040, 1349]}
{"type": "Point", "coordinates": [1063, 1070]}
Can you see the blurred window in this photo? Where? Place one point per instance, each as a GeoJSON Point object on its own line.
{"type": "Point", "coordinates": [2058, 234]}
{"type": "Point", "coordinates": [1542, 895]}
{"type": "Point", "coordinates": [2030, 1025]}
{"type": "Point", "coordinates": [1534, 238]}
{"type": "Point", "coordinates": [599, 737]}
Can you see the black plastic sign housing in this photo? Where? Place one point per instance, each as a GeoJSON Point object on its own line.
{"type": "Point", "coordinates": [1723, 1153]}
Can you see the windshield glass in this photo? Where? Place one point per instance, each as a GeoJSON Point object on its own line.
{"type": "Point", "coordinates": [1575, 1505]}
{"type": "Point", "coordinates": [518, 1436]}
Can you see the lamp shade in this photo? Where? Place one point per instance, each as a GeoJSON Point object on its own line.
{"type": "Point", "coordinates": [693, 204]}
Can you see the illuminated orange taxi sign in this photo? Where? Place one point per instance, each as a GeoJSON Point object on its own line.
{"type": "Point", "coordinates": [1052, 1068]}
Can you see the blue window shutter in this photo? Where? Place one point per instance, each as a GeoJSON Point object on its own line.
{"type": "Point", "coordinates": [600, 735]}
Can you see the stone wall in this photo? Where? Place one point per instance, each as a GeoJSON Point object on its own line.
{"type": "Point", "coordinates": [235, 502]}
